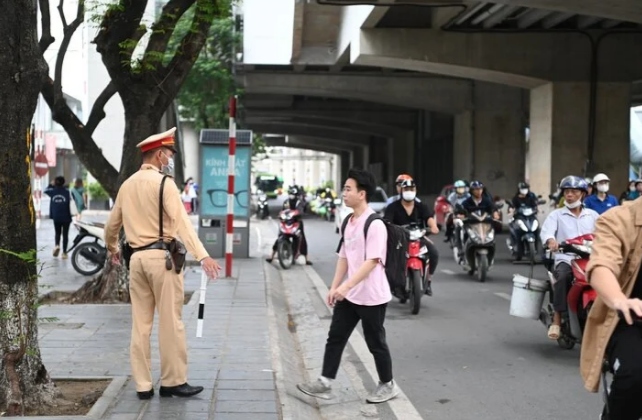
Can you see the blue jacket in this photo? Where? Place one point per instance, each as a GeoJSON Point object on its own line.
{"type": "Point", "coordinates": [594, 203]}
{"type": "Point", "coordinates": [59, 209]}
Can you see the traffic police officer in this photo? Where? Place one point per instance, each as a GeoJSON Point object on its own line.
{"type": "Point", "coordinates": [151, 285]}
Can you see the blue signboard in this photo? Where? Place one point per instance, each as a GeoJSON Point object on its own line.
{"type": "Point", "coordinates": [214, 181]}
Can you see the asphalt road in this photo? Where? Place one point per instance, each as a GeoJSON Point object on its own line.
{"type": "Point", "coordinates": [463, 357]}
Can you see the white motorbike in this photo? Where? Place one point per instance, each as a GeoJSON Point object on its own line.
{"type": "Point", "coordinates": [88, 258]}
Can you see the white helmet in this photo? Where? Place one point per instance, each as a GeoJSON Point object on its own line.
{"type": "Point", "coordinates": [600, 177]}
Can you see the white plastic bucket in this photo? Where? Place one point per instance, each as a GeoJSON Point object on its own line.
{"type": "Point", "coordinates": [528, 297]}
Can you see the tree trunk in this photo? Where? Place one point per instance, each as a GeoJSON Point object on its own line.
{"type": "Point", "coordinates": [139, 125]}
{"type": "Point", "coordinates": [24, 381]}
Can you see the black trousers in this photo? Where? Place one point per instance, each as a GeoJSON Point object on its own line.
{"type": "Point", "coordinates": [433, 254]}
{"type": "Point", "coordinates": [345, 318]}
{"type": "Point", "coordinates": [564, 277]}
{"type": "Point", "coordinates": [62, 229]}
{"type": "Point", "coordinates": [624, 354]}
{"type": "Point", "coordinates": [303, 245]}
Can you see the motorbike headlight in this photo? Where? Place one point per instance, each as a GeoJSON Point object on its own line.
{"type": "Point", "coordinates": [527, 212]}
{"type": "Point", "coordinates": [535, 225]}
{"type": "Point", "coordinates": [522, 225]}
{"type": "Point", "coordinates": [490, 236]}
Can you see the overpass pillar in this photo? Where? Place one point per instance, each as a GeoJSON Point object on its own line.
{"type": "Point", "coordinates": [489, 141]}
{"type": "Point", "coordinates": [403, 157]}
{"type": "Point", "coordinates": [344, 165]}
{"type": "Point", "coordinates": [559, 133]}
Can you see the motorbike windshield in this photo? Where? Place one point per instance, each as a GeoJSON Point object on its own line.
{"type": "Point", "coordinates": [482, 230]}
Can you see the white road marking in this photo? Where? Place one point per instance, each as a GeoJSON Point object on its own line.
{"type": "Point", "coordinates": [503, 295]}
{"type": "Point", "coordinates": [449, 272]}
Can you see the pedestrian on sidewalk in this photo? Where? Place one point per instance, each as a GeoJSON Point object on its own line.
{"type": "Point", "coordinates": [362, 296]}
{"type": "Point", "coordinates": [79, 195]}
{"type": "Point", "coordinates": [61, 209]}
{"type": "Point", "coordinates": [156, 280]}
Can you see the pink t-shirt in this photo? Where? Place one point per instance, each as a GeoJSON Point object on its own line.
{"type": "Point", "coordinates": [374, 289]}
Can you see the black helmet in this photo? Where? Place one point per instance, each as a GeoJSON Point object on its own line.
{"type": "Point", "coordinates": [476, 184]}
{"type": "Point", "coordinates": [523, 185]}
{"type": "Point", "coordinates": [408, 183]}
{"type": "Point", "coordinates": [293, 191]}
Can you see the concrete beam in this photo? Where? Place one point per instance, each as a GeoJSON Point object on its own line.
{"type": "Point", "coordinates": [324, 133]}
{"type": "Point", "coordinates": [347, 129]}
{"type": "Point", "coordinates": [440, 94]}
{"type": "Point", "coordinates": [626, 10]}
{"type": "Point", "coordinates": [281, 142]}
{"type": "Point", "coordinates": [378, 119]}
{"type": "Point", "coordinates": [345, 125]}
{"type": "Point", "coordinates": [520, 60]}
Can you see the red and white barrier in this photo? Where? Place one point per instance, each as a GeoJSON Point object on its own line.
{"type": "Point", "coordinates": [231, 166]}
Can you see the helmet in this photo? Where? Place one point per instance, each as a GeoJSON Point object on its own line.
{"type": "Point", "coordinates": [408, 183]}
{"type": "Point", "coordinates": [599, 178]}
{"type": "Point", "coordinates": [459, 184]}
{"type": "Point", "coordinates": [293, 191]}
{"type": "Point", "coordinates": [573, 182]}
{"type": "Point", "coordinates": [476, 184]}
{"type": "Point", "coordinates": [523, 186]}
{"type": "Point", "coordinates": [402, 178]}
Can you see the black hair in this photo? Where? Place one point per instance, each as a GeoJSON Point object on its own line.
{"type": "Point", "coordinates": [365, 181]}
{"type": "Point", "coordinates": [59, 181]}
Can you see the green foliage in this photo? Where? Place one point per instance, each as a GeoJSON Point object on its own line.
{"type": "Point", "coordinates": [28, 256]}
{"type": "Point", "coordinates": [258, 145]}
{"type": "Point", "coordinates": [204, 97]}
{"type": "Point", "coordinates": [97, 192]}
{"type": "Point", "coordinates": [328, 184]}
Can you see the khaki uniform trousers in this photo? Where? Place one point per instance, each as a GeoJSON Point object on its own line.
{"type": "Point", "coordinates": [152, 286]}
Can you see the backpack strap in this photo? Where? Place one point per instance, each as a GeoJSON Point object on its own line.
{"type": "Point", "coordinates": [366, 226]}
{"type": "Point", "coordinates": [343, 229]}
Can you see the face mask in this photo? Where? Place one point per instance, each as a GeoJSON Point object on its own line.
{"type": "Point", "coordinates": [292, 196]}
{"type": "Point", "coordinates": [523, 191]}
{"type": "Point", "coordinates": [409, 195]}
{"type": "Point", "coordinates": [603, 188]}
{"type": "Point", "coordinates": [631, 188]}
{"type": "Point", "coordinates": [169, 168]}
{"type": "Point", "coordinates": [573, 205]}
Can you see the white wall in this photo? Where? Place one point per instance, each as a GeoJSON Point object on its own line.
{"type": "Point", "coordinates": [190, 151]}
{"type": "Point", "coordinates": [268, 31]}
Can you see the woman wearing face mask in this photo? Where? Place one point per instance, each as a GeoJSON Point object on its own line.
{"type": "Point", "coordinates": [601, 200]}
{"type": "Point", "coordinates": [630, 194]}
{"type": "Point", "coordinates": [524, 197]}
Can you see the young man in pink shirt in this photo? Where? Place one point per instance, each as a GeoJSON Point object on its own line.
{"type": "Point", "coordinates": [361, 295]}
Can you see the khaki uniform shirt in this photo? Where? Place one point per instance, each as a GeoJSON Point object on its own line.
{"type": "Point", "coordinates": [618, 247]}
{"type": "Point", "coordinates": [136, 208]}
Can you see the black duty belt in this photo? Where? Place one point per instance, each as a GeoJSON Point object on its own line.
{"type": "Point", "coordinates": [156, 245]}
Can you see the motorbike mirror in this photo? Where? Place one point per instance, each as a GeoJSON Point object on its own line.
{"type": "Point", "coordinates": [500, 205]}
{"type": "Point", "coordinates": [539, 196]}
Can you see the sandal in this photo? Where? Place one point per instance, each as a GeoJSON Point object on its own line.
{"type": "Point", "coordinates": [554, 332]}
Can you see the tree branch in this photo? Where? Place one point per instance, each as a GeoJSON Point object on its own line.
{"type": "Point", "coordinates": [186, 54]}
{"type": "Point", "coordinates": [45, 39]}
{"type": "Point", "coordinates": [98, 110]}
{"type": "Point", "coordinates": [163, 29]}
{"type": "Point", "coordinates": [84, 146]}
{"type": "Point", "coordinates": [68, 31]}
{"type": "Point", "coordinates": [120, 23]}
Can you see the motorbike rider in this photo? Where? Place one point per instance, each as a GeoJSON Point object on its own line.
{"type": "Point", "coordinates": [294, 202]}
{"type": "Point", "coordinates": [614, 273]}
{"type": "Point", "coordinates": [561, 224]}
{"type": "Point", "coordinates": [406, 211]}
{"type": "Point", "coordinates": [525, 198]}
{"type": "Point", "coordinates": [477, 202]}
{"type": "Point", "coordinates": [401, 178]}
{"type": "Point", "coordinates": [455, 199]}
{"type": "Point", "coordinates": [601, 200]}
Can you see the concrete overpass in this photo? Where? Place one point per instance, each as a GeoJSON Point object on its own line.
{"type": "Point", "coordinates": [446, 89]}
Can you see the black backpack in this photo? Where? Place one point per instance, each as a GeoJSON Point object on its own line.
{"type": "Point", "coordinates": [396, 249]}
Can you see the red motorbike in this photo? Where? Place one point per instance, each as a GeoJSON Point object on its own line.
{"type": "Point", "coordinates": [580, 297]}
{"type": "Point", "coordinates": [417, 268]}
{"type": "Point", "coordinates": [288, 245]}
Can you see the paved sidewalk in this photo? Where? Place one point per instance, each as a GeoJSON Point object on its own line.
{"type": "Point", "coordinates": [233, 360]}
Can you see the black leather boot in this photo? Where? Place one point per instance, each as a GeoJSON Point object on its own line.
{"type": "Point", "coordinates": [145, 395]}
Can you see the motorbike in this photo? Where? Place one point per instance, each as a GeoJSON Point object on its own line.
{"type": "Point", "coordinates": [288, 245]}
{"type": "Point", "coordinates": [580, 297]}
{"type": "Point", "coordinates": [262, 209]}
{"type": "Point", "coordinates": [524, 231]}
{"type": "Point", "coordinates": [88, 258]}
{"type": "Point", "coordinates": [417, 269]}
{"type": "Point", "coordinates": [477, 236]}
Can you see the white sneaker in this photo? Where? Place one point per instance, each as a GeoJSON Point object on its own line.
{"type": "Point", "coordinates": [383, 393]}
{"type": "Point", "coordinates": [316, 389]}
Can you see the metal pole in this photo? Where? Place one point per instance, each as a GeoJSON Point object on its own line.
{"type": "Point", "coordinates": [231, 165]}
